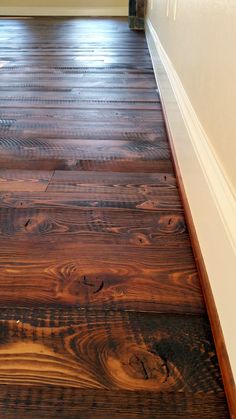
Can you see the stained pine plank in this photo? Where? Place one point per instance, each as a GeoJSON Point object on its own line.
{"type": "Point", "coordinates": [79, 116]}
{"type": "Point", "coordinates": [45, 83]}
{"type": "Point", "coordinates": [55, 283]}
{"type": "Point", "coordinates": [61, 177]}
{"type": "Point", "coordinates": [134, 152]}
{"type": "Point", "coordinates": [140, 278]}
{"type": "Point", "coordinates": [23, 158]}
{"type": "Point", "coordinates": [136, 351]}
{"type": "Point", "coordinates": [147, 126]}
{"type": "Point", "coordinates": [24, 180]}
{"type": "Point", "coordinates": [127, 126]}
{"type": "Point", "coordinates": [124, 227]}
{"type": "Point", "coordinates": [53, 401]}
{"type": "Point", "coordinates": [75, 95]}
{"type": "Point", "coordinates": [164, 199]}
{"type": "Point", "coordinates": [84, 149]}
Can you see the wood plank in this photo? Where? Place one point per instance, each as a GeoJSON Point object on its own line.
{"type": "Point", "coordinates": [39, 133]}
{"type": "Point", "coordinates": [44, 127]}
{"type": "Point", "coordinates": [120, 99]}
{"type": "Point", "coordinates": [62, 163]}
{"type": "Point", "coordinates": [78, 52]}
{"type": "Point", "coordinates": [88, 154]}
{"type": "Point", "coordinates": [89, 116]}
{"type": "Point", "coordinates": [86, 44]}
{"type": "Point", "coordinates": [74, 70]}
{"type": "Point", "coordinates": [126, 62]}
{"type": "Point", "coordinates": [54, 401]}
{"type": "Point", "coordinates": [111, 350]}
{"type": "Point", "coordinates": [147, 191]}
{"type": "Point", "coordinates": [78, 115]}
{"type": "Point", "coordinates": [45, 83]}
{"type": "Point", "coordinates": [69, 273]}
{"type": "Point", "coordinates": [148, 287]}
{"type": "Point", "coordinates": [109, 95]}
{"type": "Point", "coordinates": [164, 199]}
{"type": "Point", "coordinates": [135, 228]}
{"type": "Point", "coordinates": [85, 149]}
{"type": "Point", "coordinates": [38, 103]}
{"type": "Point", "coordinates": [24, 180]}
{"type": "Point", "coordinates": [113, 178]}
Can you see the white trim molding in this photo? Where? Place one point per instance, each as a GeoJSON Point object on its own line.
{"type": "Point", "coordinates": [210, 197]}
{"type": "Point", "coordinates": [63, 11]}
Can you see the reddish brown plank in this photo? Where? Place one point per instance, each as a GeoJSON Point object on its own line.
{"type": "Point", "coordinates": [73, 272]}
{"type": "Point", "coordinates": [37, 162]}
{"type": "Point", "coordinates": [52, 402]}
{"type": "Point", "coordinates": [164, 199]}
{"type": "Point", "coordinates": [110, 95]}
{"type": "Point", "coordinates": [108, 350]}
{"type": "Point", "coordinates": [113, 178]}
{"type": "Point", "coordinates": [24, 180]}
{"type": "Point", "coordinates": [97, 225]}
{"type": "Point", "coordinates": [88, 116]}
{"type": "Point", "coordinates": [84, 149]}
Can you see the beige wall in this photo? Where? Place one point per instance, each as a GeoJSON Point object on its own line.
{"type": "Point", "coordinates": [61, 3]}
{"type": "Point", "coordinates": [199, 36]}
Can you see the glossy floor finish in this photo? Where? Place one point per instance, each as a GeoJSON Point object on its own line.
{"type": "Point", "coordinates": [101, 311]}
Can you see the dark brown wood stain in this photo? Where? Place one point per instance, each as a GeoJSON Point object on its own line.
{"type": "Point", "coordinates": [101, 308]}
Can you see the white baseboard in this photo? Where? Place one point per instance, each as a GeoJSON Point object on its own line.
{"type": "Point", "coordinates": [63, 11]}
{"type": "Point", "coordinates": [211, 200]}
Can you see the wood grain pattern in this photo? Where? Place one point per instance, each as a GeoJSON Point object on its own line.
{"type": "Point", "coordinates": [139, 279]}
{"type": "Point", "coordinates": [53, 401]}
{"type": "Point", "coordinates": [128, 128]}
{"type": "Point", "coordinates": [40, 160]}
{"type": "Point", "coordinates": [43, 81]}
{"type": "Point", "coordinates": [78, 95]}
{"type": "Point", "coordinates": [123, 124]}
{"type": "Point", "coordinates": [61, 177]}
{"type": "Point", "coordinates": [101, 307]}
{"type": "Point", "coordinates": [135, 228]}
{"type": "Point", "coordinates": [24, 180]}
{"type": "Point", "coordinates": [109, 117]}
{"type": "Point", "coordinates": [163, 199]}
{"type": "Point", "coordinates": [85, 150]}
{"type": "Point", "coordinates": [110, 350]}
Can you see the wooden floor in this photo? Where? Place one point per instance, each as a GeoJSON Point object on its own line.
{"type": "Point", "coordinates": [101, 310]}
